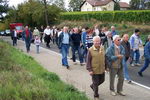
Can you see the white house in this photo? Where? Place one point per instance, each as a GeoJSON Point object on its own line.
{"type": "Point", "coordinates": [124, 6]}
{"type": "Point", "coordinates": [101, 5]}
{"type": "Point", "coordinates": [98, 5]}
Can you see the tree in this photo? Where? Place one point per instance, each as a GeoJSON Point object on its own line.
{"type": "Point", "coordinates": [60, 4]}
{"type": "Point", "coordinates": [117, 6]}
{"type": "Point", "coordinates": [74, 5]}
{"type": "Point", "coordinates": [136, 4]}
{"type": "Point", "coordinates": [3, 8]}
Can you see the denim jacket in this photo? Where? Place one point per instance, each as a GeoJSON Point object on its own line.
{"type": "Point", "coordinates": [110, 55]}
{"type": "Point", "coordinates": [61, 36]}
{"type": "Point", "coordinates": [147, 50]}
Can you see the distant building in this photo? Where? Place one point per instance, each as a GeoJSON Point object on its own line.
{"type": "Point", "coordinates": [101, 5]}
{"type": "Point", "coordinates": [124, 6]}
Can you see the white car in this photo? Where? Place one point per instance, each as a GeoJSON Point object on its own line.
{"type": "Point", "coordinates": [7, 32]}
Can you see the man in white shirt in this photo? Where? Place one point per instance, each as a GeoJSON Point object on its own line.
{"type": "Point", "coordinates": [47, 38]}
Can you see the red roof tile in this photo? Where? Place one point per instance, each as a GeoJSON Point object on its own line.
{"type": "Point", "coordinates": [124, 5]}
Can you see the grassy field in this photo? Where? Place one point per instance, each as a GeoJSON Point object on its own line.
{"type": "Point", "coordinates": [22, 78]}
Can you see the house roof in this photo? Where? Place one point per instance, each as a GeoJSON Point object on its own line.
{"type": "Point", "coordinates": [97, 2]}
{"type": "Point", "coordinates": [124, 5]}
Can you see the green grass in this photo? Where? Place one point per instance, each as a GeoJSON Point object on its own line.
{"type": "Point", "coordinates": [22, 78]}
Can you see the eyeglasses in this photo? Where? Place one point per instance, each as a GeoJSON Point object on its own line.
{"type": "Point", "coordinates": [119, 40]}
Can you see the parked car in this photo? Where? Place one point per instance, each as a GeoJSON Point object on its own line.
{"type": "Point", "coordinates": [2, 33]}
{"type": "Point", "coordinates": [7, 32]}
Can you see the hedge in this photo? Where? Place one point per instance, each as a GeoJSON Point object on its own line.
{"type": "Point", "coordinates": [134, 16]}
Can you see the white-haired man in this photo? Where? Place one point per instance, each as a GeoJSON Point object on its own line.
{"type": "Point", "coordinates": [96, 64]}
{"type": "Point", "coordinates": [115, 58]}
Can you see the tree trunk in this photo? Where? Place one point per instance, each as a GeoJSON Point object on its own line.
{"type": "Point", "coordinates": [46, 12]}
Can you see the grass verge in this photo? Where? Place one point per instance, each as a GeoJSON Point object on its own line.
{"type": "Point", "coordinates": [22, 78]}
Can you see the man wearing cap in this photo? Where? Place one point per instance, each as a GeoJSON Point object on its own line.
{"type": "Point", "coordinates": [115, 57]}
{"type": "Point", "coordinates": [147, 57]}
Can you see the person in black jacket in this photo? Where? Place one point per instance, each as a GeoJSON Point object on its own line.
{"type": "Point", "coordinates": [76, 41]}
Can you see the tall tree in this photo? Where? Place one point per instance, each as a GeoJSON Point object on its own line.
{"type": "Point", "coordinates": [3, 8]}
{"type": "Point", "coordinates": [137, 4]}
{"type": "Point", "coordinates": [117, 6]}
{"type": "Point", "coordinates": [60, 4]}
{"type": "Point", "coordinates": [74, 5]}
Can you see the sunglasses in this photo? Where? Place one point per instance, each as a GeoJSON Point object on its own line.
{"type": "Point", "coordinates": [119, 40]}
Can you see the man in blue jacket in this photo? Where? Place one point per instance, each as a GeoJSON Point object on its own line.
{"type": "Point", "coordinates": [147, 57]}
{"type": "Point", "coordinates": [115, 57]}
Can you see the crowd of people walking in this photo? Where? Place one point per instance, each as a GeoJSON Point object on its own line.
{"type": "Point", "coordinates": [100, 49]}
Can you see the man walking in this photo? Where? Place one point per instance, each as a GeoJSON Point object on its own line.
{"type": "Point", "coordinates": [27, 35]}
{"type": "Point", "coordinates": [147, 57]}
{"type": "Point", "coordinates": [64, 43]}
{"type": "Point", "coordinates": [76, 41]}
{"type": "Point", "coordinates": [135, 42]}
{"type": "Point", "coordinates": [47, 38]}
{"type": "Point", "coordinates": [126, 46]}
{"type": "Point", "coordinates": [96, 64]}
{"type": "Point", "coordinates": [115, 56]}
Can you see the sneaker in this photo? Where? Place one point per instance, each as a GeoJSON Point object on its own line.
{"type": "Point", "coordinates": [137, 64]}
{"type": "Point", "coordinates": [140, 74]}
{"type": "Point", "coordinates": [129, 81]}
{"type": "Point", "coordinates": [121, 93]}
{"type": "Point", "coordinates": [132, 65]}
{"type": "Point", "coordinates": [82, 64]}
{"type": "Point", "coordinates": [113, 93]}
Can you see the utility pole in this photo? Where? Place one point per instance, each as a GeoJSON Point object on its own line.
{"type": "Point", "coordinates": [46, 12]}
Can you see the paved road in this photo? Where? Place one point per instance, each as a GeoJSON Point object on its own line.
{"type": "Point", "coordinates": [132, 70]}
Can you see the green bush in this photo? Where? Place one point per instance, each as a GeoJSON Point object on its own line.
{"type": "Point", "coordinates": [138, 16]}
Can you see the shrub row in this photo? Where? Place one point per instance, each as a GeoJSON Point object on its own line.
{"type": "Point", "coordinates": [138, 16]}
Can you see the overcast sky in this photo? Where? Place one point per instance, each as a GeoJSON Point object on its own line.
{"type": "Point", "coordinates": [16, 2]}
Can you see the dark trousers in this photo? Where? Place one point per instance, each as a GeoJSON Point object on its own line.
{"type": "Point", "coordinates": [14, 41]}
{"type": "Point", "coordinates": [47, 40]}
{"type": "Point", "coordinates": [97, 79]}
{"type": "Point", "coordinates": [74, 49]}
{"type": "Point", "coordinates": [27, 42]}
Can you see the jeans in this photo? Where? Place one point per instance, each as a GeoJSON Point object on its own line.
{"type": "Point", "coordinates": [74, 49]}
{"type": "Point", "coordinates": [135, 54]}
{"type": "Point", "coordinates": [146, 64]}
{"type": "Point", "coordinates": [84, 53]}
{"type": "Point", "coordinates": [27, 41]}
{"type": "Point", "coordinates": [37, 48]}
{"type": "Point", "coordinates": [64, 52]}
{"type": "Point", "coordinates": [125, 70]}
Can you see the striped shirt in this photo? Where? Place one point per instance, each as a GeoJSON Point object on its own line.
{"type": "Point", "coordinates": [89, 41]}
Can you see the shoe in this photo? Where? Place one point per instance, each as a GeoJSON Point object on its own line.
{"type": "Point", "coordinates": [67, 66]}
{"type": "Point", "coordinates": [137, 64]}
{"type": "Point", "coordinates": [82, 64]}
{"type": "Point", "coordinates": [132, 65]}
{"type": "Point", "coordinates": [129, 81]}
{"type": "Point", "coordinates": [121, 93]}
{"type": "Point", "coordinates": [113, 93]}
{"type": "Point", "coordinates": [140, 74]}
{"type": "Point", "coordinates": [96, 96]}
